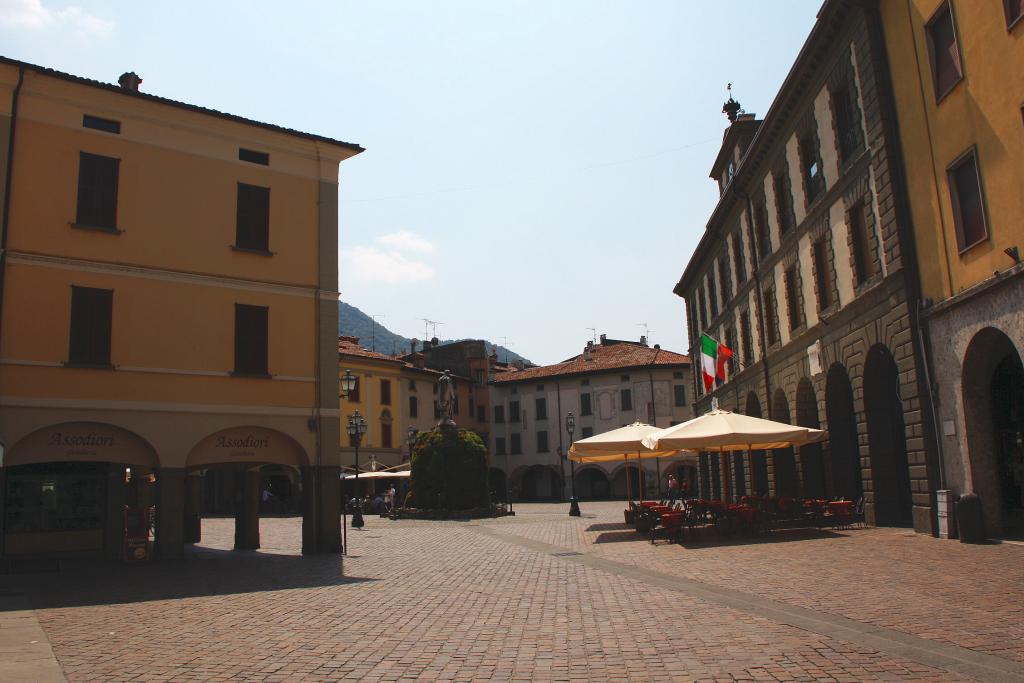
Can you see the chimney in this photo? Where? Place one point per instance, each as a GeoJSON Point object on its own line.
{"type": "Point", "coordinates": [129, 80]}
{"type": "Point", "coordinates": [604, 338]}
{"type": "Point", "coordinates": [643, 340]}
{"type": "Point", "coordinates": [434, 341]}
{"type": "Point", "coordinates": [413, 343]}
{"type": "Point", "coordinates": [518, 364]}
{"type": "Point", "coordinates": [657, 347]}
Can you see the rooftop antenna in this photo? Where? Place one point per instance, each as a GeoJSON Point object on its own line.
{"type": "Point", "coordinates": [647, 331]}
{"type": "Point", "coordinates": [593, 333]}
{"type": "Point", "coordinates": [373, 330]}
{"type": "Point", "coordinates": [504, 344]}
{"type": "Point", "coordinates": [428, 323]}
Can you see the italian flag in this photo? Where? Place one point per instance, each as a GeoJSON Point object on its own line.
{"type": "Point", "coordinates": [713, 357]}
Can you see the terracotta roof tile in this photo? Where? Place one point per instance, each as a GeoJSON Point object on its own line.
{"type": "Point", "coordinates": [349, 346]}
{"type": "Point", "coordinates": [609, 355]}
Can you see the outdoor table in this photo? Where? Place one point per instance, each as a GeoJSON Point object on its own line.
{"type": "Point", "coordinates": [841, 512]}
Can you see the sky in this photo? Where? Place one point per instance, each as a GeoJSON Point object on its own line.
{"type": "Point", "coordinates": [532, 169]}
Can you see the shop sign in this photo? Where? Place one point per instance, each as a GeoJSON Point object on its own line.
{"type": "Point", "coordinates": [81, 442]}
{"type": "Point", "coordinates": [247, 446]}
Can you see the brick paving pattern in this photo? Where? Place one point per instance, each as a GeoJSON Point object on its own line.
{"type": "Point", "coordinates": [426, 601]}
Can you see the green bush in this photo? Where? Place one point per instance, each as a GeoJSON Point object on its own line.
{"type": "Point", "coordinates": [449, 470]}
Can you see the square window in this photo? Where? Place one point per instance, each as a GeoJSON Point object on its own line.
{"type": "Point", "coordinates": [771, 331]}
{"type": "Point", "coordinates": [626, 396]}
{"type": "Point", "coordinates": [513, 411]}
{"type": "Point", "coordinates": [679, 391]}
{"type": "Point", "coordinates": [943, 51]}
{"type": "Point", "coordinates": [91, 321]}
{"type": "Point", "coordinates": [822, 273]}
{"type": "Point", "coordinates": [253, 157]}
{"type": "Point", "coordinates": [862, 244]}
{"type": "Point", "coordinates": [792, 282]}
{"type": "Point", "coordinates": [542, 442]}
{"type": "Point", "coordinates": [846, 111]}
{"type": "Point", "coordinates": [251, 339]}
{"type": "Point", "coordinates": [97, 191]}
{"type": "Point", "coordinates": [1014, 11]}
{"type": "Point", "coordinates": [517, 446]}
{"type": "Point", "coordinates": [253, 218]}
{"type": "Point", "coordinates": [499, 413]}
{"type": "Point", "coordinates": [541, 405]}
{"type": "Point", "coordinates": [810, 160]}
{"type": "Point", "coordinates": [499, 445]}
{"type": "Point", "coordinates": [738, 259]}
{"type": "Point", "coordinates": [968, 205]}
{"type": "Point", "coordinates": [585, 408]}
{"type": "Point", "coordinates": [97, 123]}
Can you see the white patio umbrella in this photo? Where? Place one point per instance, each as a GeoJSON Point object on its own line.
{"type": "Point", "coordinates": [619, 444]}
{"type": "Point", "coordinates": [722, 430]}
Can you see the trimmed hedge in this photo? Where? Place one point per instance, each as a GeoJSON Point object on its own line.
{"type": "Point", "coordinates": [449, 470]}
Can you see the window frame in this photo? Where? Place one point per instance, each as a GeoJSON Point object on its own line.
{"type": "Point", "coordinates": [263, 246]}
{"type": "Point", "coordinates": [240, 353]}
{"type": "Point", "coordinates": [85, 338]}
{"type": "Point", "coordinates": [102, 225]}
{"type": "Point", "coordinates": [1010, 23]}
{"type": "Point", "coordinates": [947, 6]}
{"type": "Point", "coordinates": [968, 155]}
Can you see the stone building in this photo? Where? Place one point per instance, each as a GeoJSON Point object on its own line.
{"type": "Point", "coordinates": [958, 79]}
{"type": "Point", "coordinates": [168, 280]}
{"type": "Point", "coordinates": [807, 270]}
{"type": "Point", "coordinates": [611, 384]}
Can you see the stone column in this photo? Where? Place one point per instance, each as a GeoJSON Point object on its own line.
{"type": "Point", "coordinates": [192, 523]}
{"type": "Point", "coordinates": [117, 497]}
{"type": "Point", "coordinates": [247, 510]}
{"type": "Point", "coordinates": [309, 511]}
{"type": "Point", "coordinates": [330, 510]}
{"type": "Point", "coordinates": [170, 509]}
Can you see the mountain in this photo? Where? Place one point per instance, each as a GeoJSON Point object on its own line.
{"type": "Point", "coordinates": [375, 337]}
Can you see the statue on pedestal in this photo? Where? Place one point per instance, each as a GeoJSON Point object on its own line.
{"type": "Point", "coordinates": [446, 400]}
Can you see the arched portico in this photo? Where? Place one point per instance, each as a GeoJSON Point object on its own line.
{"type": "Point", "coordinates": [891, 503]}
{"type": "Point", "coordinates": [812, 466]}
{"type": "Point", "coordinates": [787, 484]}
{"type": "Point", "coordinates": [539, 482]}
{"type": "Point", "coordinates": [993, 402]}
{"type": "Point", "coordinates": [229, 462]}
{"type": "Point", "coordinates": [64, 489]}
{"type": "Point", "coordinates": [592, 483]}
{"type": "Point", "coordinates": [843, 447]}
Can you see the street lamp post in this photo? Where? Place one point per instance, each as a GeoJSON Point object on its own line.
{"type": "Point", "coordinates": [356, 428]}
{"type": "Point", "coordinates": [574, 505]}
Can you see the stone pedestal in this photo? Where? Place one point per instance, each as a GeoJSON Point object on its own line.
{"type": "Point", "coordinates": [247, 510]}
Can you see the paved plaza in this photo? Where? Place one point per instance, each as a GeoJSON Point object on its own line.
{"type": "Point", "coordinates": [537, 597]}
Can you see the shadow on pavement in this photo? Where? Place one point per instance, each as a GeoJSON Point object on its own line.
{"type": "Point", "coordinates": [621, 536]}
{"type": "Point", "coordinates": [714, 539]}
{"type": "Point", "coordinates": [608, 526]}
{"type": "Point", "coordinates": [205, 572]}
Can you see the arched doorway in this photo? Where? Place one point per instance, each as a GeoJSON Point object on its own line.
{"type": "Point", "coordinates": [67, 487]}
{"type": "Point", "coordinates": [786, 483]}
{"type": "Point", "coordinates": [887, 440]}
{"type": "Point", "coordinates": [993, 396]}
{"type": "Point", "coordinates": [844, 451]}
{"type": "Point", "coordinates": [233, 471]}
{"type": "Point", "coordinates": [759, 461]}
{"type": "Point", "coordinates": [540, 483]}
{"type": "Point", "coordinates": [498, 485]}
{"type": "Point", "coordinates": [812, 467]}
{"type": "Point", "coordinates": [619, 486]}
{"type": "Point", "coordinates": [592, 484]}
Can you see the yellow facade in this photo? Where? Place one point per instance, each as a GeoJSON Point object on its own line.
{"type": "Point", "coordinates": [983, 110]}
{"type": "Point", "coordinates": [371, 371]}
{"type": "Point", "coordinates": [176, 275]}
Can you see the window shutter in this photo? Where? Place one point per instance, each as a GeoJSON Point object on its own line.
{"type": "Point", "coordinates": [97, 190]}
{"type": "Point", "coordinates": [251, 339]}
{"type": "Point", "coordinates": [253, 217]}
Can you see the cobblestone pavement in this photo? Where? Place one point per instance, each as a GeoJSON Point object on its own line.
{"type": "Point", "coordinates": [537, 597]}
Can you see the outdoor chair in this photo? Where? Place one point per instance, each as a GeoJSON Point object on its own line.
{"type": "Point", "coordinates": [670, 523]}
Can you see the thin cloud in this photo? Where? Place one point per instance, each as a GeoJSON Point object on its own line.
{"type": "Point", "coordinates": [406, 241]}
{"type": "Point", "coordinates": [33, 15]}
{"type": "Point", "coordinates": [370, 265]}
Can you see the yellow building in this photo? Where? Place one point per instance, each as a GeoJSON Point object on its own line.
{"type": "Point", "coordinates": [957, 70]}
{"type": "Point", "coordinates": [378, 399]}
{"type": "Point", "coordinates": [169, 289]}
